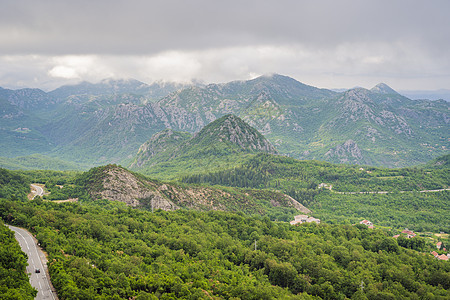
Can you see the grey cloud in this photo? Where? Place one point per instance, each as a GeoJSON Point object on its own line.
{"type": "Point", "coordinates": [326, 43]}
{"type": "Point", "coordinates": [146, 27]}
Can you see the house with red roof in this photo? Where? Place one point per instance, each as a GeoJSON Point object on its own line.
{"type": "Point", "coordinates": [409, 233]}
{"type": "Point", "coordinates": [366, 222]}
{"type": "Point", "coordinates": [442, 257]}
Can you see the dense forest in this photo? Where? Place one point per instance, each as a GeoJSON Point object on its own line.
{"type": "Point", "coordinates": [14, 283]}
{"type": "Point", "coordinates": [13, 185]}
{"type": "Point", "coordinates": [100, 250]}
{"type": "Point", "coordinates": [272, 171]}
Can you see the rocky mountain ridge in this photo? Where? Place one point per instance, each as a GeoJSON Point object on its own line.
{"type": "Point", "coordinates": [108, 122]}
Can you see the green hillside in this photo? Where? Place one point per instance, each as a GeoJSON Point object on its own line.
{"type": "Point", "coordinates": [39, 162]}
{"type": "Point", "coordinates": [220, 144]}
{"type": "Point", "coordinates": [115, 183]}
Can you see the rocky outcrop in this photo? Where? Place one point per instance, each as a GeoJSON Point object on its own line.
{"type": "Point", "coordinates": [235, 131]}
{"type": "Point", "coordinates": [346, 152]}
{"type": "Point", "coordinates": [118, 184]}
{"type": "Point", "coordinates": [121, 185]}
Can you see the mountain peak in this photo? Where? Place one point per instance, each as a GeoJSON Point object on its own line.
{"type": "Point", "coordinates": [383, 88]}
{"type": "Point", "coordinates": [234, 132]}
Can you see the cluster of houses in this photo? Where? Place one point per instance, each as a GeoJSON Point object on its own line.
{"type": "Point", "coordinates": [300, 219]}
{"type": "Point", "coordinates": [410, 234]}
{"type": "Point", "coordinates": [441, 257]}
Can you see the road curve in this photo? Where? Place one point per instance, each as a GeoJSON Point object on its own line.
{"type": "Point", "coordinates": [36, 260]}
{"type": "Point", "coordinates": [38, 190]}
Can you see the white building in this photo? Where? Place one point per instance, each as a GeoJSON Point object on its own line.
{"type": "Point", "coordinates": [300, 219]}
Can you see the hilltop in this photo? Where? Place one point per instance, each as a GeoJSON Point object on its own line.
{"type": "Point", "coordinates": [116, 183]}
{"type": "Point", "coordinates": [224, 141]}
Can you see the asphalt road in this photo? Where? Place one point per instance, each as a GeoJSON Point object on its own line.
{"type": "Point", "coordinates": [36, 260]}
{"type": "Point", "coordinates": [38, 190]}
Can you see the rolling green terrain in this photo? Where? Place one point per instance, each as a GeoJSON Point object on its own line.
{"type": "Point", "coordinates": [387, 197]}
{"type": "Point", "coordinates": [218, 229]}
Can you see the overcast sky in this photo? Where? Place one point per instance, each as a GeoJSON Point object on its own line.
{"type": "Point", "coordinates": [330, 44]}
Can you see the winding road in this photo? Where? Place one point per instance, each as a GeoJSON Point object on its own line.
{"type": "Point", "coordinates": [330, 187]}
{"type": "Point", "coordinates": [36, 260]}
{"type": "Point", "coordinates": [37, 190]}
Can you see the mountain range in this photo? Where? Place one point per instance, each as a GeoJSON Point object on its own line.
{"type": "Point", "coordinates": [109, 122]}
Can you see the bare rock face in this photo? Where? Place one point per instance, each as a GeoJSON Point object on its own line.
{"type": "Point", "coordinates": [346, 152]}
{"type": "Point", "coordinates": [123, 186]}
{"type": "Point", "coordinates": [119, 184]}
{"type": "Point", "coordinates": [297, 205]}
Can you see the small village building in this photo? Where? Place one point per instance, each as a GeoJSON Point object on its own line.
{"type": "Point", "coordinates": [409, 233]}
{"type": "Point", "coordinates": [396, 236]}
{"type": "Point", "coordinates": [439, 245]}
{"type": "Point", "coordinates": [366, 222]}
{"type": "Point", "coordinates": [325, 186]}
{"type": "Point", "coordinates": [442, 257]}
